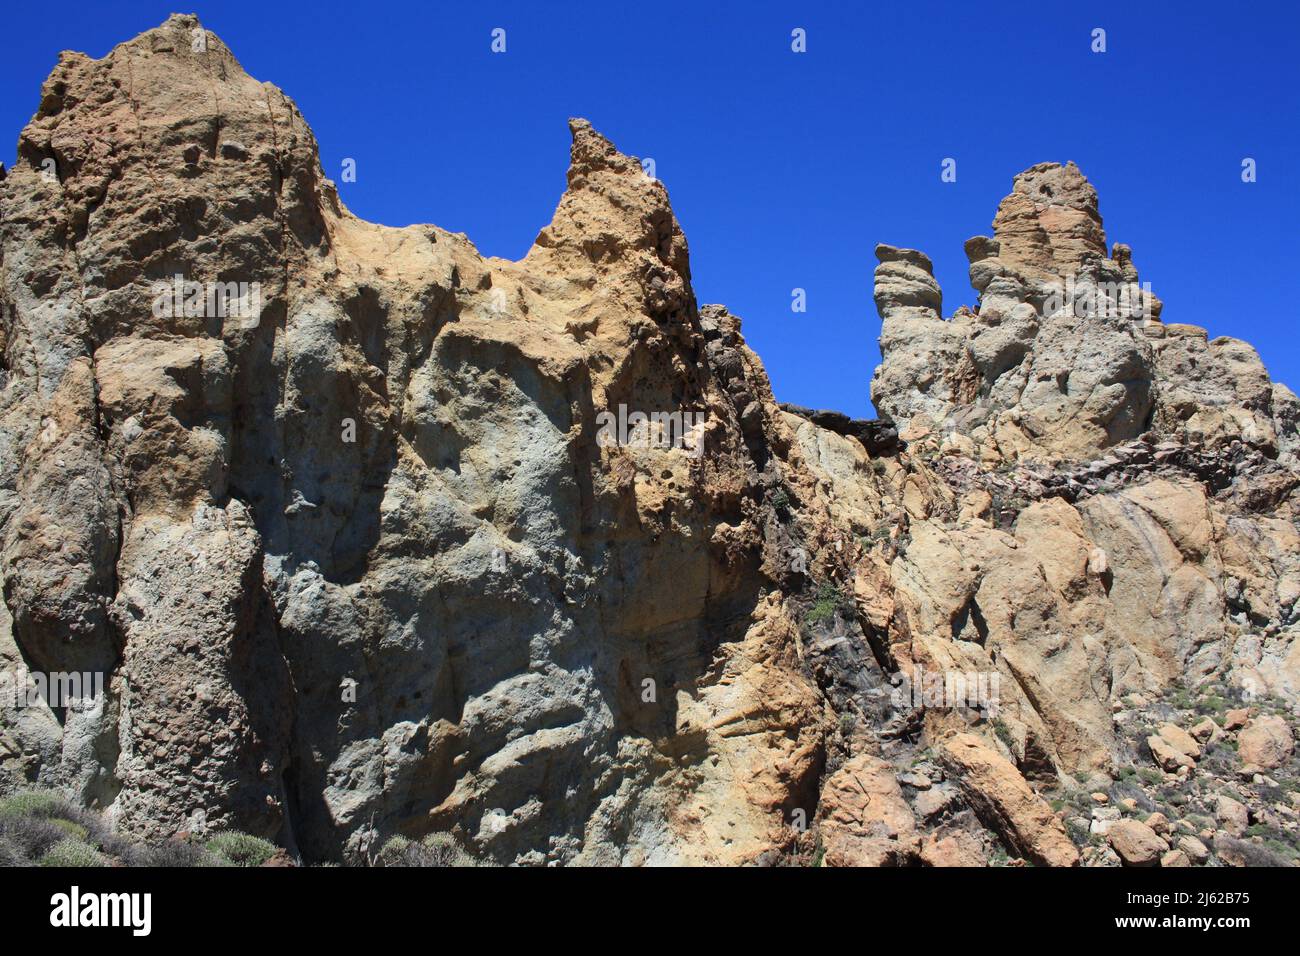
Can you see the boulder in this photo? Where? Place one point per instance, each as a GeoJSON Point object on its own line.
{"type": "Point", "coordinates": [864, 819]}
{"type": "Point", "coordinates": [1266, 742]}
{"type": "Point", "coordinates": [1232, 815]}
{"type": "Point", "coordinates": [1006, 803]}
{"type": "Point", "coordinates": [1168, 757]}
{"type": "Point", "coordinates": [1180, 740]}
{"type": "Point", "coordinates": [952, 846]}
{"type": "Point", "coordinates": [1136, 843]}
{"type": "Point", "coordinates": [1196, 851]}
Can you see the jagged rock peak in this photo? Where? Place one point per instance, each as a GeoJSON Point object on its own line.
{"type": "Point", "coordinates": [388, 556]}
{"type": "Point", "coordinates": [614, 214]}
{"type": "Point", "coordinates": [1065, 354]}
{"type": "Point", "coordinates": [397, 447]}
{"type": "Point", "coordinates": [591, 151]}
{"type": "Point", "coordinates": [1050, 221]}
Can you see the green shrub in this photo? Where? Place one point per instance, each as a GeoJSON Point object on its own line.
{"type": "Point", "coordinates": [33, 803]}
{"type": "Point", "coordinates": [30, 836]}
{"type": "Point", "coordinates": [1212, 704]}
{"type": "Point", "coordinates": [443, 850]}
{"type": "Point", "coordinates": [176, 853]}
{"type": "Point", "coordinates": [70, 852]}
{"type": "Point", "coordinates": [43, 827]}
{"type": "Point", "coordinates": [394, 851]}
{"type": "Point", "coordinates": [1004, 733]}
{"type": "Point", "coordinates": [73, 829]}
{"type": "Point", "coordinates": [241, 849]}
{"type": "Point", "coordinates": [435, 850]}
{"type": "Point", "coordinates": [11, 855]}
{"type": "Point", "coordinates": [1247, 852]}
{"type": "Point", "coordinates": [828, 601]}
{"type": "Point", "coordinates": [1282, 848]}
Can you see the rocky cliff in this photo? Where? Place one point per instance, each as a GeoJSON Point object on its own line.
{"type": "Point", "coordinates": [369, 535]}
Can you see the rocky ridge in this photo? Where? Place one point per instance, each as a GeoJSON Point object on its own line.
{"type": "Point", "coordinates": [361, 565]}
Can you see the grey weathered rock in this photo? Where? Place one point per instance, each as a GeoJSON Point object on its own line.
{"type": "Point", "coordinates": [369, 561]}
{"type": "Point", "coordinates": [351, 562]}
{"type": "Point", "coordinates": [1066, 355]}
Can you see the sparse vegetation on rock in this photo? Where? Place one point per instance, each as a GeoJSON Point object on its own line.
{"type": "Point", "coordinates": [370, 562]}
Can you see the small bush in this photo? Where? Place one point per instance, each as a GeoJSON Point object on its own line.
{"type": "Point", "coordinates": [1212, 704]}
{"type": "Point", "coordinates": [10, 855]}
{"type": "Point", "coordinates": [70, 852]}
{"type": "Point", "coordinates": [394, 851]}
{"type": "Point", "coordinates": [32, 837]}
{"type": "Point", "coordinates": [435, 850]}
{"type": "Point", "coordinates": [241, 849]}
{"type": "Point", "coordinates": [34, 803]}
{"type": "Point", "coordinates": [828, 601]}
{"type": "Point", "coordinates": [441, 849]}
{"type": "Point", "coordinates": [1246, 853]}
{"type": "Point", "coordinates": [73, 829]}
{"type": "Point", "coordinates": [174, 854]}
{"type": "Point", "coordinates": [43, 827]}
{"type": "Point", "coordinates": [1004, 733]}
{"type": "Point", "coordinates": [1128, 789]}
{"type": "Point", "coordinates": [1273, 839]}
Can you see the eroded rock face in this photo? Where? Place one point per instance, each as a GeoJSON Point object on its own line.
{"type": "Point", "coordinates": [400, 539]}
{"type": "Point", "coordinates": [1065, 355]}
{"type": "Point", "coordinates": [358, 564]}
{"type": "Point", "coordinates": [1006, 803]}
{"type": "Point", "coordinates": [865, 819]}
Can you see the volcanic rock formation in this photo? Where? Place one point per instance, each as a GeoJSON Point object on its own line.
{"type": "Point", "coordinates": [331, 508]}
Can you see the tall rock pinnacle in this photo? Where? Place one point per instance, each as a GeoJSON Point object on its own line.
{"type": "Point", "coordinates": [1066, 354]}
{"type": "Point", "coordinates": [370, 544]}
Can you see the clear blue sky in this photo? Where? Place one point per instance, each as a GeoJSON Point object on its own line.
{"type": "Point", "coordinates": [786, 169]}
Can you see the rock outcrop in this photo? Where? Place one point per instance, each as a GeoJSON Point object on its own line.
{"type": "Point", "coordinates": [1065, 355]}
{"type": "Point", "coordinates": [369, 536]}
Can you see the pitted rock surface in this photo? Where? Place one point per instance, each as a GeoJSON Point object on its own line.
{"type": "Point", "coordinates": [360, 563]}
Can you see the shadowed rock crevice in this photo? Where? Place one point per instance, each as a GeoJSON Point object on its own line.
{"type": "Point", "coordinates": [527, 552]}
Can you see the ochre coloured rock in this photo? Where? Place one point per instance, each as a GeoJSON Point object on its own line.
{"type": "Point", "coordinates": [367, 534]}
{"type": "Point", "coordinates": [1006, 803]}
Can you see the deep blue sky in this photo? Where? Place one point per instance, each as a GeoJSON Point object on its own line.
{"type": "Point", "coordinates": [786, 169]}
